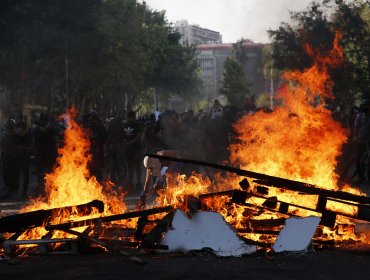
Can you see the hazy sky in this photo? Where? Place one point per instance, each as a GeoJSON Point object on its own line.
{"type": "Point", "coordinates": [234, 19]}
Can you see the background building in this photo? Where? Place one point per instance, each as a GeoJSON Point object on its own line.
{"type": "Point", "coordinates": [211, 59]}
{"type": "Point", "coordinates": [194, 34]}
{"type": "Point", "coordinates": [208, 71]}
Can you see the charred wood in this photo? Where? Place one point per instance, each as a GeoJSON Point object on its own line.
{"type": "Point", "coordinates": [105, 245]}
{"type": "Point", "coordinates": [107, 219]}
{"type": "Point", "coordinates": [259, 231]}
{"type": "Point", "coordinates": [24, 221]}
{"type": "Point", "coordinates": [313, 190]}
{"type": "Point", "coordinates": [273, 181]}
{"type": "Point", "coordinates": [209, 195]}
{"type": "Point", "coordinates": [156, 234]}
{"type": "Point", "coordinates": [192, 204]}
{"type": "Point", "coordinates": [265, 223]}
{"type": "Point", "coordinates": [117, 243]}
{"type": "Point", "coordinates": [141, 223]}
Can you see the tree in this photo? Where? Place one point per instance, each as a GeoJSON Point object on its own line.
{"type": "Point", "coordinates": [39, 37]}
{"type": "Point", "coordinates": [105, 52]}
{"type": "Point", "coordinates": [289, 41]}
{"type": "Point", "coordinates": [313, 27]}
{"type": "Point", "coordinates": [234, 85]}
{"type": "Point", "coordinates": [172, 67]}
{"type": "Point", "coordinates": [351, 19]}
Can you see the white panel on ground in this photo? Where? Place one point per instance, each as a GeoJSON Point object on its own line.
{"type": "Point", "coordinates": [296, 234]}
{"type": "Point", "coordinates": [205, 230]}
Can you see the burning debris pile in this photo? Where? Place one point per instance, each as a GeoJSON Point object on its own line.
{"type": "Point", "coordinates": [297, 204]}
{"type": "Point", "coordinates": [256, 218]}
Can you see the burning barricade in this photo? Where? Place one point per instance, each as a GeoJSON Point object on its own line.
{"type": "Point", "coordinates": [231, 222]}
{"type": "Point", "coordinates": [297, 204]}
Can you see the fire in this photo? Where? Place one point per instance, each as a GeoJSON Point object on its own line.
{"type": "Point", "coordinates": [70, 182]}
{"type": "Point", "coordinates": [179, 186]}
{"type": "Point", "coordinates": [299, 140]}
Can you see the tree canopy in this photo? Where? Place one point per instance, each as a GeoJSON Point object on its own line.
{"type": "Point", "coordinates": [316, 27]}
{"type": "Point", "coordinates": [234, 83]}
{"type": "Point", "coordinates": [105, 52]}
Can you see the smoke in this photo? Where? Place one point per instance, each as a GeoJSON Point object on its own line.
{"type": "Point", "coordinates": [234, 19]}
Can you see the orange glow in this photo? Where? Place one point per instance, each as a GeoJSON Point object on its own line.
{"type": "Point", "coordinates": [70, 182]}
{"type": "Point", "coordinates": [299, 140]}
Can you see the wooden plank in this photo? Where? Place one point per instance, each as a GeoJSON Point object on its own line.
{"type": "Point", "coordinates": [111, 218]}
{"type": "Point", "coordinates": [273, 181]}
{"type": "Point", "coordinates": [10, 246]}
{"type": "Point", "coordinates": [125, 253]}
{"type": "Point", "coordinates": [28, 220]}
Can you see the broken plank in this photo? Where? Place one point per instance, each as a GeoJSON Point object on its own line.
{"type": "Point", "coordinates": [111, 218]}
{"type": "Point", "coordinates": [269, 180]}
{"type": "Point", "coordinates": [107, 246]}
{"type": "Point", "coordinates": [28, 220]}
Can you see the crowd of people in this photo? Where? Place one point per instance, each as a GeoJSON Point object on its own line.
{"type": "Point", "coordinates": [118, 145]}
{"type": "Point", "coordinates": [354, 163]}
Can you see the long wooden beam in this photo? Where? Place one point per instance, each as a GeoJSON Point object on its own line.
{"type": "Point", "coordinates": [28, 220]}
{"type": "Point", "coordinates": [273, 181]}
{"type": "Point", "coordinates": [107, 219]}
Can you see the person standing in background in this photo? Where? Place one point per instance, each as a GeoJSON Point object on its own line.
{"type": "Point", "coordinates": [132, 136]}
{"type": "Point", "coordinates": [8, 156]}
{"type": "Point", "coordinates": [23, 155]}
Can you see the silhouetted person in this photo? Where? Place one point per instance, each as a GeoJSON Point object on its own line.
{"type": "Point", "coordinates": [8, 156]}
{"type": "Point", "coordinates": [23, 154]}
{"type": "Point", "coordinates": [250, 104]}
{"type": "Point", "coordinates": [217, 110]}
{"type": "Point", "coordinates": [46, 138]}
{"type": "Point", "coordinates": [132, 135]}
{"type": "Point", "coordinates": [97, 135]}
{"type": "Point", "coordinates": [150, 136]}
{"type": "Point", "coordinates": [361, 136]}
{"type": "Point", "coordinates": [115, 148]}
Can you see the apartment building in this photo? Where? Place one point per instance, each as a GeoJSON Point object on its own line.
{"type": "Point", "coordinates": [195, 35]}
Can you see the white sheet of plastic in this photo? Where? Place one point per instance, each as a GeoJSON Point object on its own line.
{"type": "Point", "coordinates": [205, 230]}
{"type": "Point", "coordinates": [296, 234]}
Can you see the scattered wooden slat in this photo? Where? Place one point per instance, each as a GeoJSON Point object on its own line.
{"type": "Point", "coordinates": [111, 218]}
{"type": "Point", "coordinates": [28, 220]}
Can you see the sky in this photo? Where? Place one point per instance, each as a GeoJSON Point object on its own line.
{"type": "Point", "coordinates": [234, 19]}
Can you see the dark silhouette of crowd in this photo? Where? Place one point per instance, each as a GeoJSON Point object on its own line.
{"type": "Point", "coordinates": [354, 163]}
{"type": "Point", "coordinates": [23, 148]}
{"type": "Point", "coordinates": [118, 144]}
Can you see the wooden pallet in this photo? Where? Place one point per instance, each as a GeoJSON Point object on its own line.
{"type": "Point", "coordinates": [11, 246]}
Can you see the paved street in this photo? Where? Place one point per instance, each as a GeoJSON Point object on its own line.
{"type": "Point", "coordinates": [327, 264]}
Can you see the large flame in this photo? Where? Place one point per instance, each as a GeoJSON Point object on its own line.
{"type": "Point", "coordinates": [70, 182]}
{"type": "Point", "coordinates": [298, 140]}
